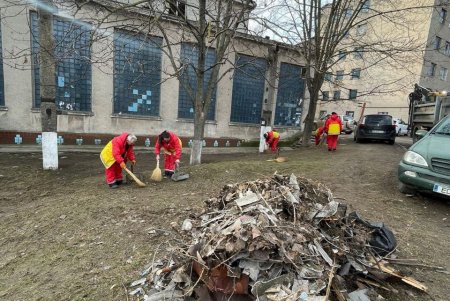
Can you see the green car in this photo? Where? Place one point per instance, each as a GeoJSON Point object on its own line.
{"type": "Point", "coordinates": [425, 166]}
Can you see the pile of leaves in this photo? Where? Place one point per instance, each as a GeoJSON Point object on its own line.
{"type": "Point", "coordinates": [280, 238]}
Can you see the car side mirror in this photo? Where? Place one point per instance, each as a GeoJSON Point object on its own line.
{"type": "Point", "coordinates": [420, 134]}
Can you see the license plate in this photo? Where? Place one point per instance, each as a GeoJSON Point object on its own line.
{"type": "Point", "coordinates": [377, 132]}
{"type": "Point", "coordinates": [441, 189]}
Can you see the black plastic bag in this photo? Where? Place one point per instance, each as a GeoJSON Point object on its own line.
{"type": "Point", "coordinates": [382, 239]}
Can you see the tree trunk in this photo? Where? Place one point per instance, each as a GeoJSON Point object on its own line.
{"type": "Point", "coordinates": [197, 143]}
{"type": "Point", "coordinates": [47, 87]}
{"type": "Point", "coordinates": [309, 120]}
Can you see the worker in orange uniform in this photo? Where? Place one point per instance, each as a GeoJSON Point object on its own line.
{"type": "Point", "coordinates": [272, 137]}
{"type": "Point", "coordinates": [115, 155]}
{"type": "Point", "coordinates": [333, 127]}
{"type": "Point", "coordinates": [171, 145]}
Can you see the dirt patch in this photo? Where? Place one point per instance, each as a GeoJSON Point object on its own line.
{"type": "Point", "coordinates": [65, 235]}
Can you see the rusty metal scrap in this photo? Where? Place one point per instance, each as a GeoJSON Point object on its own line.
{"type": "Point", "coordinates": [282, 238]}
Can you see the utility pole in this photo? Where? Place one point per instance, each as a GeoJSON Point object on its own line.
{"type": "Point", "coordinates": [47, 84]}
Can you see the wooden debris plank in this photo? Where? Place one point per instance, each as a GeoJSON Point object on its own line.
{"type": "Point", "coordinates": [372, 283]}
{"type": "Point", "coordinates": [408, 280]}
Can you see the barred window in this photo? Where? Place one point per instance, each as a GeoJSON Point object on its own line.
{"type": "Point", "coordinates": [291, 90]}
{"type": "Point", "coordinates": [189, 55]}
{"type": "Point", "coordinates": [137, 73]}
{"type": "Point", "coordinates": [248, 89]}
{"type": "Point", "coordinates": [73, 67]}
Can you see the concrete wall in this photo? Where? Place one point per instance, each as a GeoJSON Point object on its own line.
{"type": "Point", "coordinates": [19, 115]}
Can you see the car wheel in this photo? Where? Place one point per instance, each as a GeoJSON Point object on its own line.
{"type": "Point", "coordinates": [358, 140]}
{"type": "Point", "coordinates": [406, 189]}
{"type": "Point", "coordinates": [391, 142]}
{"type": "Point", "coordinates": [414, 136]}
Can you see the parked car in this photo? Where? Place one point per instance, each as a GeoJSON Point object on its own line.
{"type": "Point", "coordinates": [401, 127]}
{"type": "Point", "coordinates": [375, 127]}
{"type": "Point", "coordinates": [347, 123]}
{"type": "Point", "coordinates": [426, 164]}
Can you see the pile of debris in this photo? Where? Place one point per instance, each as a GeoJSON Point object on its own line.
{"type": "Point", "coordinates": [283, 238]}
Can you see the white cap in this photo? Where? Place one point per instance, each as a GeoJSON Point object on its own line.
{"type": "Point", "coordinates": [131, 138]}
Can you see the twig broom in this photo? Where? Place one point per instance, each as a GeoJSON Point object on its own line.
{"type": "Point", "coordinates": [156, 174]}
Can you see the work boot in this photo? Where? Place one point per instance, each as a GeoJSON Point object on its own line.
{"type": "Point", "coordinates": [119, 182]}
{"type": "Point", "coordinates": [113, 186]}
{"type": "Point", "coordinates": [169, 174]}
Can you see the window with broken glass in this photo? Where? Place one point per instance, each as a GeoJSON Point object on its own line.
{"type": "Point", "coordinates": [73, 64]}
{"type": "Point", "coordinates": [137, 73]}
{"type": "Point", "coordinates": [189, 58]}
{"type": "Point", "coordinates": [291, 90]}
{"type": "Point", "coordinates": [248, 89]}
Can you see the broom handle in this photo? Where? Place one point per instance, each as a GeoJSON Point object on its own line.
{"type": "Point", "coordinates": [157, 163]}
{"type": "Point", "coordinates": [139, 182]}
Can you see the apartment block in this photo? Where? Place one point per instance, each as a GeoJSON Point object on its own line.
{"type": "Point", "coordinates": [384, 55]}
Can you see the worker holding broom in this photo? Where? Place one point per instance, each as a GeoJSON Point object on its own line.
{"type": "Point", "coordinates": [171, 145]}
{"type": "Point", "coordinates": [318, 136]}
{"type": "Point", "coordinates": [272, 137]}
{"type": "Point", "coordinates": [114, 156]}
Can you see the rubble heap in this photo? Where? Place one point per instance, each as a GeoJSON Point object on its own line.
{"type": "Point", "coordinates": [282, 238]}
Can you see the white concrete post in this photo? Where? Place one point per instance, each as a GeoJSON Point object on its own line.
{"type": "Point", "coordinates": [262, 141]}
{"type": "Point", "coordinates": [50, 150]}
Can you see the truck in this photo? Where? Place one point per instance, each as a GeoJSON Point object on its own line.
{"type": "Point", "coordinates": [426, 108]}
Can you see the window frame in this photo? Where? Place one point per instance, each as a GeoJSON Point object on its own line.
{"type": "Point", "coordinates": [63, 65]}
{"type": "Point", "coordinates": [432, 69]}
{"type": "Point", "coordinates": [355, 73]}
{"type": "Point", "coordinates": [145, 102]}
{"type": "Point", "coordinates": [437, 43]}
{"type": "Point", "coordinates": [358, 53]}
{"type": "Point", "coordinates": [443, 73]}
{"type": "Point", "coordinates": [442, 15]}
{"type": "Point", "coordinates": [352, 94]}
{"type": "Point", "coordinates": [348, 12]}
{"type": "Point", "coordinates": [365, 6]}
{"type": "Point", "coordinates": [361, 29]}
{"type": "Point", "coordinates": [336, 95]}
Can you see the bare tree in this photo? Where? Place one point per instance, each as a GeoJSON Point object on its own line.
{"type": "Point", "coordinates": [319, 29]}
{"type": "Point", "coordinates": [209, 26]}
